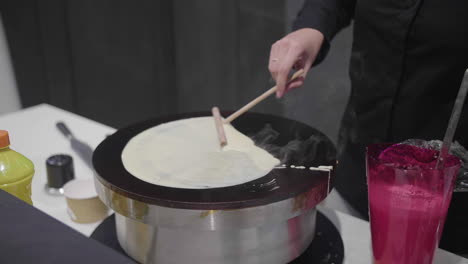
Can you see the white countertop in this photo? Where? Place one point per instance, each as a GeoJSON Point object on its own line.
{"type": "Point", "coordinates": [33, 133]}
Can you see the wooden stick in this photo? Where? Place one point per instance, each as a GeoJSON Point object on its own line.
{"type": "Point", "coordinates": [257, 100]}
{"type": "Point", "coordinates": [219, 126]}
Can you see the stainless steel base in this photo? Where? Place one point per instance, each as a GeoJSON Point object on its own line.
{"type": "Point", "coordinates": [273, 233]}
{"type": "Point", "coordinates": [270, 243]}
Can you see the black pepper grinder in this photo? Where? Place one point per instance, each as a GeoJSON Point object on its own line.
{"type": "Point", "coordinates": [59, 171]}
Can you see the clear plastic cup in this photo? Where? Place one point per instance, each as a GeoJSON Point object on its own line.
{"type": "Point", "coordinates": [407, 207]}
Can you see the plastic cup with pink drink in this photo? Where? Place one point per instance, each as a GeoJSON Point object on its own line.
{"type": "Point", "coordinates": [408, 201]}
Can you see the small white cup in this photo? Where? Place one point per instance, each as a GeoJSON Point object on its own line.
{"type": "Point", "coordinates": [84, 206]}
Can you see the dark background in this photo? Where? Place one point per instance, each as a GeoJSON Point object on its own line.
{"type": "Point", "coordinates": [119, 62]}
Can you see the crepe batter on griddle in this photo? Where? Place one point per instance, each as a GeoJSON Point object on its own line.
{"type": "Point", "coordinates": [186, 154]}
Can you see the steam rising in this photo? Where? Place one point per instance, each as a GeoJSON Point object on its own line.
{"type": "Point", "coordinates": [314, 150]}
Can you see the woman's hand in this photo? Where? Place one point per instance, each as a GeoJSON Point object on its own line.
{"type": "Point", "coordinates": [296, 50]}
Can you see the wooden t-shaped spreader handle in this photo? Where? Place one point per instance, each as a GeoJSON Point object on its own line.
{"type": "Point", "coordinates": [257, 100]}
{"type": "Point", "coordinates": [219, 126]}
{"type": "Point", "coordinates": [218, 119]}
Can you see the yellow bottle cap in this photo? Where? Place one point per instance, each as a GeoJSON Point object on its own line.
{"type": "Point", "coordinates": [4, 139]}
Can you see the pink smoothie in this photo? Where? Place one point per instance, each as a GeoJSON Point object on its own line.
{"type": "Point", "coordinates": [408, 218]}
{"type": "Point", "coordinates": [408, 202]}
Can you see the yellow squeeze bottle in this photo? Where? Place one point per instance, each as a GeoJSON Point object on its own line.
{"type": "Point", "coordinates": [16, 171]}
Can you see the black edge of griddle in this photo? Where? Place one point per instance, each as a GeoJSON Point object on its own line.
{"type": "Point", "coordinates": [112, 174]}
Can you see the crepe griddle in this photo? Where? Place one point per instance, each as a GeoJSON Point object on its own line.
{"type": "Point", "coordinates": [279, 184]}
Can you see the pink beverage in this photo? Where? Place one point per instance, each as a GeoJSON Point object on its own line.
{"type": "Point", "coordinates": [408, 201]}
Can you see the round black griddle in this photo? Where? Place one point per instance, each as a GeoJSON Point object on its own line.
{"type": "Point", "coordinates": [278, 185]}
{"type": "Point", "coordinates": [326, 248]}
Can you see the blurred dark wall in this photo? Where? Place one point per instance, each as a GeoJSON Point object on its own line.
{"type": "Point", "coordinates": [119, 61]}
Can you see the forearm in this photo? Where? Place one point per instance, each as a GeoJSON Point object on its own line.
{"type": "Point", "coordinates": [326, 16]}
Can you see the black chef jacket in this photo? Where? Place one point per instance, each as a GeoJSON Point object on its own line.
{"type": "Point", "coordinates": [408, 59]}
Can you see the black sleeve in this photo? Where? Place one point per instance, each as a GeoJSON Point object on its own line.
{"type": "Point", "coordinates": [326, 16]}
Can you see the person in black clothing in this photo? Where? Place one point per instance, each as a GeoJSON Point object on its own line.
{"type": "Point", "coordinates": [408, 59]}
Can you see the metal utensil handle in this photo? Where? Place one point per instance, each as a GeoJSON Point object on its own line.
{"type": "Point", "coordinates": [64, 129]}
{"type": "Point", "coordinates": [84, 151]}
{"type": "Point", "coordinates": [452, 125]}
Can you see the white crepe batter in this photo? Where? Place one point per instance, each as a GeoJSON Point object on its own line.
{"type": "Point", "coordinates": [186, 154]}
